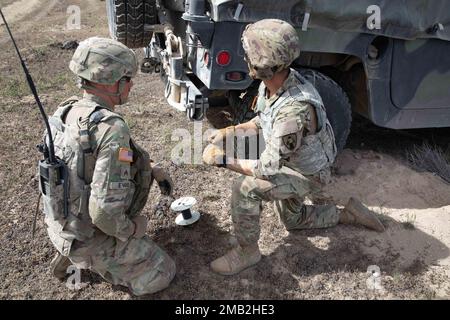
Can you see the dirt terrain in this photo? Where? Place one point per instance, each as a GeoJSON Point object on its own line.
{"type": "Point", "coordinates": [413, 254]}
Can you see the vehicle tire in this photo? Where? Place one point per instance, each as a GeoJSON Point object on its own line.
{"type": "Point", "coordinates": [336, 102]}
{"type": "Point", "coordinates": [126, 19]}
{"type": "Point", "coordinates": [241, 103]}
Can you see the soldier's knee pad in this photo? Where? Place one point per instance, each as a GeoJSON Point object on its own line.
{"type": "Point", "coordinates": [159, 278]}
{"type": "Point", "coordinates": [167, 273]}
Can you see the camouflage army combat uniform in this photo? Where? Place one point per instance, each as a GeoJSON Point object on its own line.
{"type": "Point", "coordinates": [299, 151]}
{"type": "Point", "coordinates": [110, 178]}
{"type": "Point", "coordinates": [300, 148]}
{"type": "Point", "coordinates": [300, 144]}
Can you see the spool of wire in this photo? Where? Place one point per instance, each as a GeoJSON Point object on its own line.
{"type": "Point", "coordinates": [184, 206]}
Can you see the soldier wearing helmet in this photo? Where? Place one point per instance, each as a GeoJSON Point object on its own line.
{"type": "Point", "coordinates": [300, 148]}
{"type": "Point", "coordinates": [110, 177]}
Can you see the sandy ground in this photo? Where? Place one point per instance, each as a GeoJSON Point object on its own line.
{"type": "Point", "coordinates": [413, 254]}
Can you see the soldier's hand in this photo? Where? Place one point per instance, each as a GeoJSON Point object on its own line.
{"type": "Point", "coordinates": [213, 155]}
{"type": "Point", "coordinates": [140, 226]}
{"type": "Point", "coordinates": [218, 136]}
{"type": "Point", "coordinates": [165, 183]}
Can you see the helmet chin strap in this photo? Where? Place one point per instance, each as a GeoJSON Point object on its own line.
{"type": "Point", "coordinates": [84, 84]}
{"type": "Point", "coordinates": [252, 73]}
{"type": "Point", "coordinates": [121, 89]}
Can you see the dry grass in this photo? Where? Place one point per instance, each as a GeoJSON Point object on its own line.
{"type": "Point", "coordinates": [5, 3]}
{"type": "Point", "coordinates": [430, 158]}
{"type": "Point", "coordinates": [409, 224]}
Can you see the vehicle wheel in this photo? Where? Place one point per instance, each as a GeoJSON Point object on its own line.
{"type": "Point", "coordinates": [337, 104]}
{"type": "Point", "coordinates": [126, 19]}
{"type": "Point", "coordinates": [241, 103]}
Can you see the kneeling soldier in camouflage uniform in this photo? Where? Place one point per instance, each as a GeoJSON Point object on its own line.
{"type": "Point", "coordinates": [300, 148]}
{"type": "Point", "coordinates": [110, 178]}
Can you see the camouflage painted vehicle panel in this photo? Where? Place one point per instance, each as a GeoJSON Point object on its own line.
{"type": "Point", "coordinates": [390, 57]}
{"type": "Point", "coordinates": [403, 78]}
{"type": "Point", "coordinates": [408, 20]}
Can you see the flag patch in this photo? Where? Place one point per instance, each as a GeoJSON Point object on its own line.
{"type": "Point", "coordinates": [125, 155]}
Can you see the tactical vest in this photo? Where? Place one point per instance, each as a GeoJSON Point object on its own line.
{"type": "Point", "coordinates": [317, 151]}
{"type": "Point", "coordinates": [75, 146]}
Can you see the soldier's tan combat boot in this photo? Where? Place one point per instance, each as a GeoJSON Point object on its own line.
{"type": "Point", "coordinates": [236, 260]}
{"type": "Point", "coordinates": [356, 213]}
{"type": "Point", "coordinates": [59, 265]}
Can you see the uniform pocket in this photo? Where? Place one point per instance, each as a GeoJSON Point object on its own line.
{"type": "Point", "coordinates": [54, 202]}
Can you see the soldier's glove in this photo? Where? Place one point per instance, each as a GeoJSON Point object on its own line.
{"type": "Point", "coordinates": [218, 136]}
{"type": "Point", "coordinates": [140, 226]}
{"type": "Point", "coordinates": [214, 156]}
{"type": "Point", "coordinates": [163, 206]}
{"type": "Point", "coordinates": [164, 181]}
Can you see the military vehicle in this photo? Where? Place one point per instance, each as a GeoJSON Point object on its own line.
{"type": "Point", "coordinates": [388, 61]}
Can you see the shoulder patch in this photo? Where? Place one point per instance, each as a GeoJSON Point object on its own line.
{"type": "Point", "coordinates": [290, 141]}
{"type": "Point", "coordinates": [125, 155]}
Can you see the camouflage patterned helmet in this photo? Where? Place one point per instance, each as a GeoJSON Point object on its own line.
{"type": "Point", "coordinates": [104, 61]}
{"type": "Point", "coordinates": [270, 45]}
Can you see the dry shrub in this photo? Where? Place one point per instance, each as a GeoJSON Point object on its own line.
{"type": "Point", "coordinates": [430, 158]}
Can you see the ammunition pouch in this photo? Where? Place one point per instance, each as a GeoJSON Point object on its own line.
{"type": "Point", "coordinates": [143, 179]}
{"type": "Point", "coordinates": [53, 185]}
